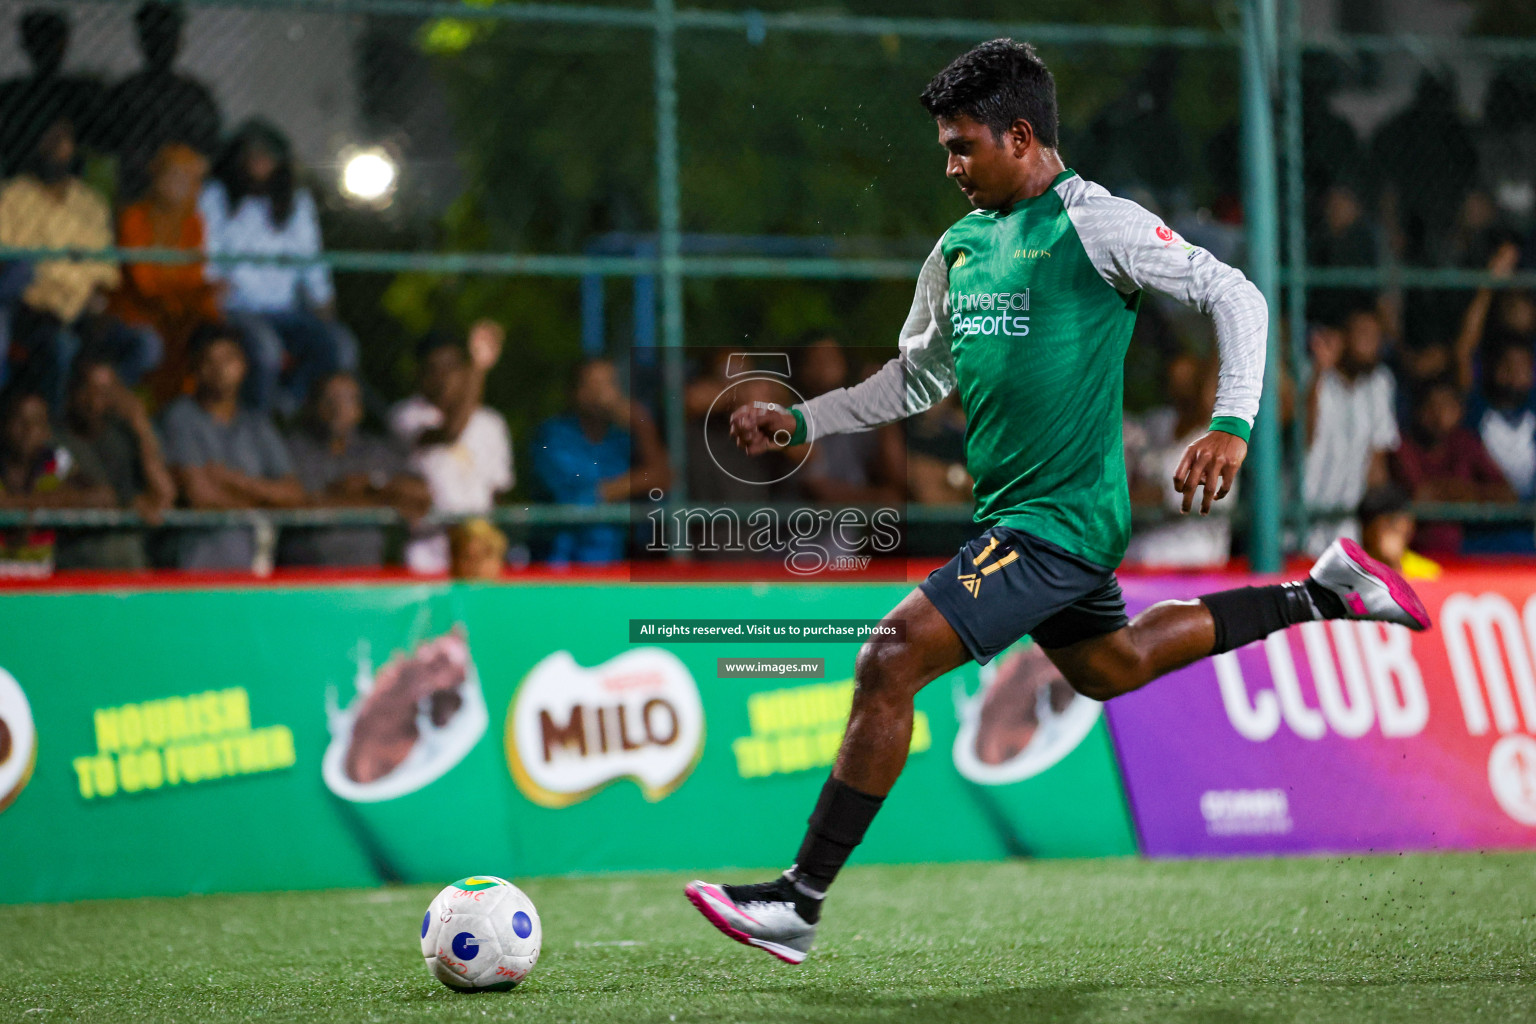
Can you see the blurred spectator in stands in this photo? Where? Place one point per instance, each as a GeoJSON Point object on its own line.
{"type": "Point", "coordinates": [458, 445]}
{"type": "Point", "coordinates": [1502, 403]}
{"type": "Point", "coordinates": [224, 456]}
{"type": "Point", "coordinates": [1416, 369]}
{"type": "Point", "coordinates": [1506, 160]}
{"type": "Point", "coordinates": [1424, 194]}
{"type": "Point", "coordinates": [1351, 422]}
{"type": "Point", "coordinates": [64, 304]}
{"type": "Point", "coordinates": [1441, 460]}
{"type": "Point", "coordinates": [719, 471]}
{"type": "Point", "coordinates": [342, 466]}
{"type": "Point", "coordinates": [172, 298]}
{"type": "Point", "coordinates": [1342, 237]}
{"type": "Point", "coordinates": [866, 468]}
{"type": "Point", "coordinates": [156, 105]}
{"type": "Point", "coordinates": [1503, 411]}
{"type": "Point", "coordinates": [1513, 319]}
{"type": "Point", "coordinates": [1477, 234]}
{"type": "Point", "coordinates": [936, 473]}
{"type": "Point", "coordinates": [479, 550]}
{"type": "Point", "coordinates": [1333, 156]}
{"type": "Point", "coordinates": [1184, 541]}
{"type": "Point", "coordinates": [256, 206]}
{"type": "Point", "coordinates": [606, 449]}
{"type": "Point", "coordinates": [1424, 186]}
{"type": "Point", "coordinates": [37, 472]}
{"type": "Point", "coordinates": [846, 469]}
{"type": "Point", "coordinates": [1339, 233]}
{"type": "Point", "coordinates": [1127, 142]}
{"type": "Point", "coordinates": [28, 105]}
{"type": "Point", "coordinates": [1479, 241]}
{"type": "Point", "coordinates": [106, 424]}
{"type": "Point", "coordinates": [1386, 528]}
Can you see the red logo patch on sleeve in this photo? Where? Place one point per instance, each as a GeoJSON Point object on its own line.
{"type": "Point", "coordinates": [1165, 233]}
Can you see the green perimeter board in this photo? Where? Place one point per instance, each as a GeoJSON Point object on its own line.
{"type": "Point", "coordinates": [273, 823]}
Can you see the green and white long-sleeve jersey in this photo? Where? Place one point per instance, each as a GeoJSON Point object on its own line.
{"type": "Point", "coordinates": [1028, 312]}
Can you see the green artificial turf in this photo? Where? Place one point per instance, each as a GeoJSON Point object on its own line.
{"type": "Point", "coordinates": [1445, 939]}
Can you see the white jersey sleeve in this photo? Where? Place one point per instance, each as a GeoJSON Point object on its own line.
{"type": "Point", "coordinates": [920, 376]}
{"type": "Point", "coordinates": [1133, 250]}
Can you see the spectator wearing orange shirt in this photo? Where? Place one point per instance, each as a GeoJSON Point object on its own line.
{"type": "Point", "coordinates": [172, 298]}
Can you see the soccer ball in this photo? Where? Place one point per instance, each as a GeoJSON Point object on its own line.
{"type": "Point", "coordinates": [481, 934]}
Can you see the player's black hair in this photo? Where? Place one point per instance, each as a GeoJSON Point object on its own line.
{"type": "Point", "coordinates": [997, 83]}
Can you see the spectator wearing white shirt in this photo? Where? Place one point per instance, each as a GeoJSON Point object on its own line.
{"type": "Point", "coordinates": [1501, 406]}
{"type": "Point", "coordinates": [1351, 422]}
{"type": "Point", "coordinates": [1183, 541]}
{"type": "Point", "coordinates": [286, 313]}
{"type": "Point", "coordinates": [461, 448]}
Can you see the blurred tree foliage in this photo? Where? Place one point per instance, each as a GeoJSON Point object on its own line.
{"type": "Point", "coordinates": [780, 134]}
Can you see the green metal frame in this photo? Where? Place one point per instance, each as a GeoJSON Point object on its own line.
{"type": "Point", "coordinates": [1268, 42]}
{"type": "Point", "coordinates": [1260, 54]}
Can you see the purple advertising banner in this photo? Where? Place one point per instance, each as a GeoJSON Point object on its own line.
{"type": "Point", "coordinates": [1342, 736]}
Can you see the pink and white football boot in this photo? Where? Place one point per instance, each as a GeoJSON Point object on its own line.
{"type": "Point", "coordinates": [1368, 589]}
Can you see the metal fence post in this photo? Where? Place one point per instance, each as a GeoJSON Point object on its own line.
{"type": "Point", "coordinates": [669, 208]}
{"type": "Point", "coordinates": [1295, 254]}
{"type": "Point", "coordinates": [1265, 495]}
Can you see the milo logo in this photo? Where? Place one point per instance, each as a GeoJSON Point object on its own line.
{"type": "Point", "coordinates": [18, 739]}
{"type": "Point", "coordinates": [572, 730]}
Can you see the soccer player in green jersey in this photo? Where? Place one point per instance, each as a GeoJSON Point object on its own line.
{"type": "Point", "coordinates": [1026, 306]}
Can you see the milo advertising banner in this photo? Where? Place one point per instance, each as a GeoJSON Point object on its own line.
{"type": "Point", "coordinates": [239, 739]}
{"type": "Point", "coordinates": [1344, 736]}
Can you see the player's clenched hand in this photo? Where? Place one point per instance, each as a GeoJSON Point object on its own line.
{"type": "Point", "coordinates": [757, 429]}
{"type": "Point", "coordinates": [1212, 461]}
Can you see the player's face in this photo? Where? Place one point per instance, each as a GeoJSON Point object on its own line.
{"type": "Point", "coordinates": [986, 169]}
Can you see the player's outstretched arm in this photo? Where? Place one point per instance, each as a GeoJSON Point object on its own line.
{"type": "Point", "coordinates": [919, 377]}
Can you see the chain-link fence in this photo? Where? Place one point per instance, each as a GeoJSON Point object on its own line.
{"type": "Point", "coordinates": [1409, 191]}
{"type": "Point", "coordinates": [625, 180]}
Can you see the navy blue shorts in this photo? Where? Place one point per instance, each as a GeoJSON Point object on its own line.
{"type": "Point", "coordinates": [1008, 583]}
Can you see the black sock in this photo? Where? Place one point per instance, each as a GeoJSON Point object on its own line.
{"type": "Point", "coordinates": [837, 825]}
{"type": "Point", "coordinates": [1252, 613]}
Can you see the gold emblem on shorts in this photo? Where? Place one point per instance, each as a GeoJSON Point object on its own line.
{"type": "Point", "coordinates": [971, 580]}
